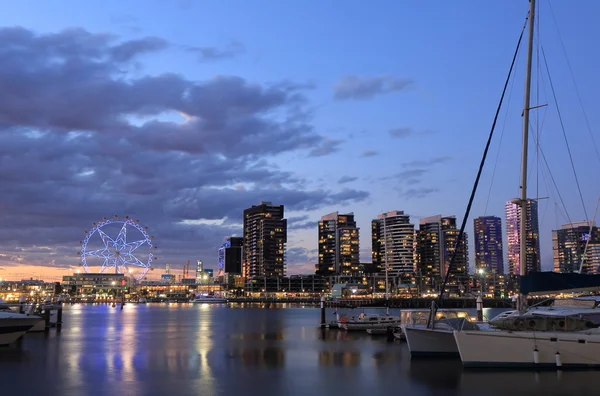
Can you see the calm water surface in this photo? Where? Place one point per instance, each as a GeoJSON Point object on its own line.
{"type": "Point", "coordinates": [185, 349]}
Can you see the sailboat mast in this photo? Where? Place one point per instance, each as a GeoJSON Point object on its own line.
{"type": "Point", "coordinates": [526, 107]}
{"type": "Point", "coordinates": [385, 255]}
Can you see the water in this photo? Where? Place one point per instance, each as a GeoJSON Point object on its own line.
{"type": "Point", "coordinates": [185, 349]}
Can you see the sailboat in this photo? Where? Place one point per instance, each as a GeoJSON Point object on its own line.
{"type": "Point", "coordinates": [536, 338]}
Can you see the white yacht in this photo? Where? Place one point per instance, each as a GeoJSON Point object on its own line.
{"type": "Point", "coordinates": [209, 299]}
{"type": "Point", "coordinates": [14, 325]}
{"type": "Point", "coordinates": [564, 334]}
{"type": "Point", "coordinates": [439, 340]}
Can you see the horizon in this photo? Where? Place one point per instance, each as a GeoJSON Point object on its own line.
{"type": "Point", "coordinates": [183, 114]}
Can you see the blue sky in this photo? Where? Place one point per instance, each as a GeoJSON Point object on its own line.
{"type": "Point", "coordinates": [443, 62]}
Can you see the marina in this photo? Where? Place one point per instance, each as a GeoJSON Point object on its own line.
{"type": "Point", "coordinates": [192, 349]}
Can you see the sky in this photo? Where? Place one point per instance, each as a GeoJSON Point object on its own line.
{"type": "Point", "coordinates": [181, 114]}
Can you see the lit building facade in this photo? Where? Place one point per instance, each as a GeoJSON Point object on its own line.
{"type": "Point", "coordinates": [265, 237]}
{"type": "Point", "coordinates": [230, 256]}
{"type": "Point", "coordinates": [569, 244]}
{"type": "Point", "coordinates": [339, 252]}
{"type": "Point", "coordinates": [436, 242]}
{"type": "Point", "coordinates": [513, 221]}
{"type": "Point", "coordinates": [392, 232]}
{"type": "Point", "coordinates": [488, 244]}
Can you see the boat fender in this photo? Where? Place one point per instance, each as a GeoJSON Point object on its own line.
{"type": "Point", "coordinates": [536, 356]}
{"type": "Point", "coordinates": [520, 324]}
{"type": "Point", "coordinates": [532, 324]}
{"type": "Point", "coordinates": [558, 359]}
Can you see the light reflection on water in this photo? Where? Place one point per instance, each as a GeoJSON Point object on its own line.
{"type": "Point", "coordinates": [186, 349]}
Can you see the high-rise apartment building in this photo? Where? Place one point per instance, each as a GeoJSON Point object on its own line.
{"type": "Point", "coordinates": [488, 244]}
{"type": "Point", "coordinates": [513, 221]}
{"type": "Point", "coordinates": [230, 256]}
{"type": "Point", "coordinates": [569, 245]}
{"type": "Point", "coordinates": [393, 243]}
{"type": "Point", "coordinates": [436, 242]}
{"type": "Point", "coordinates": [339, 252]}
{"type": "Point", "coordinates": [265, 236]}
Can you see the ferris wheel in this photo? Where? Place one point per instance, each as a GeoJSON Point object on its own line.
{"type": "Point", "coordinates": [118, 245]}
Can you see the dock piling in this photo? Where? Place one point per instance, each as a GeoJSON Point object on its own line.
{"type": "Point", "coordinates": [323, 322]}
{"type": "Point", "coordinates": [479, 309]}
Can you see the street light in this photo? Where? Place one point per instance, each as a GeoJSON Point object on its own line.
{"type": "Point", "coordinates": [481, 272]}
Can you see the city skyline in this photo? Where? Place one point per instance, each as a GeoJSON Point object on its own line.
{"type": "Point", "coordinates": [184, 114]}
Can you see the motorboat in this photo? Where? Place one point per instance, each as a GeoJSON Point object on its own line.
{"type": "Point", "coordinates": [14, 325]}
{"type": "Point", "coordinates": [209, 299]}
{"type": "Point", "coordinates": [142, 300]}
{"type": "Point", "coordinates": [368, 321]}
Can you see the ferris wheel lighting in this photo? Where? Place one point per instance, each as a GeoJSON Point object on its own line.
{"type": "Point", "coordinates": [118, 253]}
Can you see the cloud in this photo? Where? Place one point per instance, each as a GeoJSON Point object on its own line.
{"type": "Point", "coordinates": [325, 147]}
{"type": "Point", "coordinates": [369, 153]}
{"type": "Point", "coordinates": [401, 132]}
{"type": "Point", "coordinates": [362, 87]}
{"type": "Point", "coordinates": [404, 132]}
{"type": "Point", "coordinates": [347, 179]}
{"type": "Point", "coordinates": [79, 142]}
{"type": "Point", "coordinates": [301, 223]}
{"type": "Point", "coordinates": [417, 193]}
{"type": "Point", "coordinates": [207, 54]}
{"type": "Point", "coordinates": [428, 162]}
{"type": "Point", "coordinates": [301, 260]}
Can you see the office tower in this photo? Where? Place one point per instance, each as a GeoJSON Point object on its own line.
{"type": "Point", "coordinates": [392, 233]}
{"type": "Point", "coordinates": [230, 256]}
{"type": "Point", "coordinates": [513, 218]}
{"type": "Point", "coordinates": [488, 244]}
{"type": "Point", "coordinates": [338, 245]}
{"type": "Point", "coordinates": [265, 236]}
{"type": "Point", "coordinates": [569, 244]}
{"type": "Point", "coordinates": [436, 241]}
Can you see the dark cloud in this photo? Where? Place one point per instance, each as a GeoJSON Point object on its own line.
{"type": "Point", "coordinates": [417, 193]}
{"type": "Point", "coordinates": [361, 87]}
{"type": "Point", "coordinates": [369, 153]}
{"type": "Point", "coordinates": [326, 147]}
{"type": "Point", "coordinates": [347, 179]}
{"type": "Point", "coordinates": [301, 260]}
{"type": "Point", "coordinates": [404, 132]}
{"type": "Point", "coordinates": [79, 141]}
{"type": "Point", "coordinates": [427, 162]}
{"type": "Point", "coordinates": [301, 223]}
{"type": "Point", "coordinates": [206, 54]}
{"type": "Point", "coordinates": [401, 132]}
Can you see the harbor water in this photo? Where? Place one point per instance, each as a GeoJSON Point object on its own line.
{"type": "Point", "coordinates": [186, 349]}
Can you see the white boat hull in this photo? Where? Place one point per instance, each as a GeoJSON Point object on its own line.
{"type": "Point", "coordinates": [430, 342]}
{"type": "Point", "coordinates": [516, 349]}
{"type": "Point", "coordinates": [14, 327]}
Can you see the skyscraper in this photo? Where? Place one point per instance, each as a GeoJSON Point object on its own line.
{"type": "Point", "coordinates": [338, 245]}
{"type": "Point", "coordinates": [488, 244]}
{"type": "Point", "coordinates": [513, 218]}
{"type": "Point", "coordinates": [230, 256]}
{"type": "Point", "coordinates": [265, 236]}
{"type": "Point", "coordinates": [570, 242]}
{"type": "Point", "coordinates": [436, 241]}
{"type": "Point", "coordinates": [393, 233]}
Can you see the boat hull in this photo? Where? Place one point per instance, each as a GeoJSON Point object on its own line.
{"type": "Point", "coordinates": [430, 342]}
{"type": "Point", "coordinates": [13, 328]}
{"type": "Point", "coordinates": [210, 301]}
{"type": "Point", "coordinates": [354, 326]}
{"type": "Point", "coordinates": [502, 349]}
